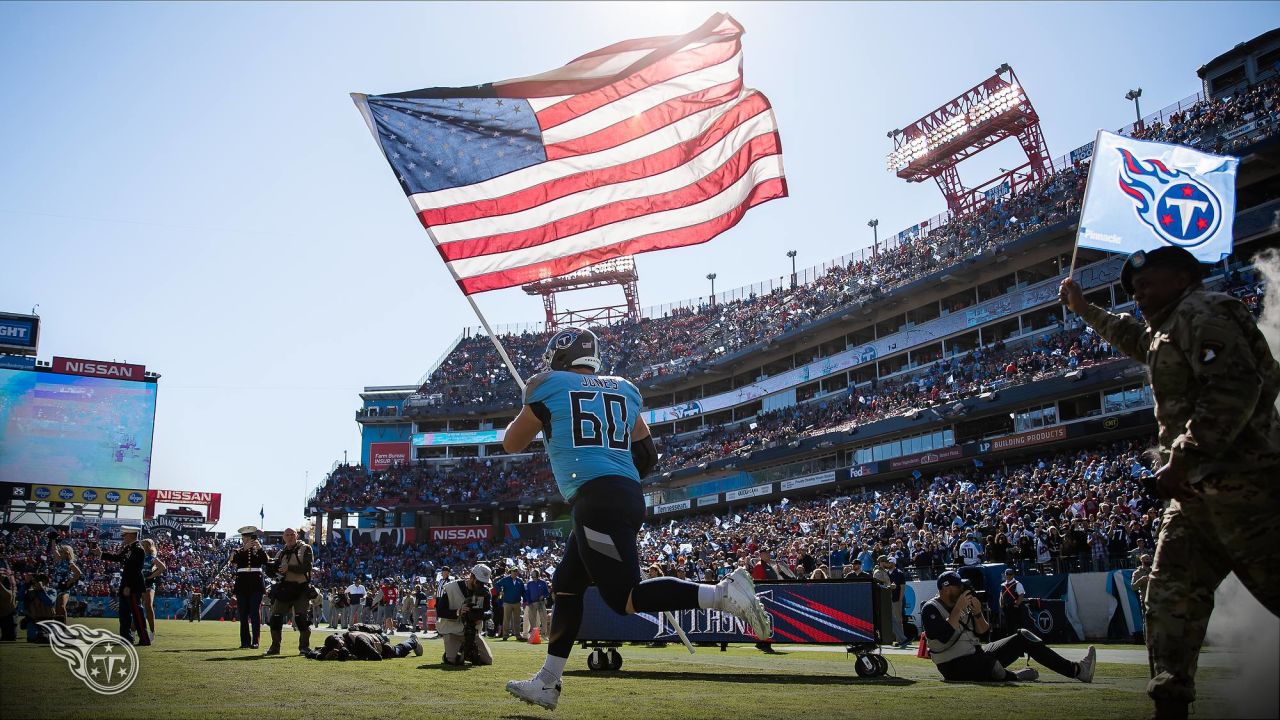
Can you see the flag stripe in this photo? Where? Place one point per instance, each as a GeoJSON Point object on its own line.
{"type": "Point", "coordinates": [596, 198]}
{"type": "Point", "coordinates": [652, 79]}
{"type": "Point", "coordinates": [662, 240]}
{"type": "Point", "coordinates": [707, 187]}
{"type": "Point", "coordinates": [764, 169]}
{"type": "Point", "coordinates": [590, 170]}
{"type": "Point", "coordinates": [718, 29]}
{"type": "Point", "coordinates": [652, 119]}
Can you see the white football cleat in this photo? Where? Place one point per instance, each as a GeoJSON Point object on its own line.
{"type": "Point", "coordinates": [738, 598]}
{"type": "Point", "coordinates": [1085, 674]}
{"type": "Point", "coordinates": [535, 692]}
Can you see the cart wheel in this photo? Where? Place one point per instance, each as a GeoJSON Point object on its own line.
{"type": "Point", "coordinates": [865, 666]}
{"type": "Point", "coordinates": [614, 659]}
{"type": "Point", "coordinates": [596, 659]}
{"type": "Point", "coordinates": [882, 665]}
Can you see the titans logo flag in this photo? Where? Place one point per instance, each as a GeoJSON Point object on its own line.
{"type": "Point", "coordinates": [1143, 195]}
{"type": "Point", "coordinates": [644, 145]}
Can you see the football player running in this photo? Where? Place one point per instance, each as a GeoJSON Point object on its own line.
{"type": "Point", "coordinates": [599, 447]}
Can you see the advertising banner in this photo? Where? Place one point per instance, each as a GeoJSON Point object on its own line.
{"type": "Point", "coordinates": [926, 458]}
{"type": "Point", "coordinates": [17, 362]}
{"type": "Point", "coordinates": [755, 491]}
{"type": "Point", "coordinates": [468, 437]}
{"type": "Point", "coordinates": [98, 368]}
{"type": "Point", "coordinates": [210, 500]}
{"type": "Point", "coordinates": [671, 507]}
{"type": "Point", "coordinates": [383, 455]}
{"type": "Point", "coordinates": [460, 534]}
{"type": "Point", "coordinates": [79, 494]}
{"type": "Point", "coordinates": [19, 334]}
{"type": "Point", "coordinates": [708, 500]}
{"type": "Point", "coordinates": [814, 612]}
{"type": "Point", "coordinates": [1026, 439]}
{"type": "Point", "coordinates": [809, 481]}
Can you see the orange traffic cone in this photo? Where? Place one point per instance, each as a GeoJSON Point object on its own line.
{"type": "Point", "coordinates": [923, 651]}
{"type": "Point", "coordinates": [535, 637]}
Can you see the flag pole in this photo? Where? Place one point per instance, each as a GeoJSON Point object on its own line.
{"type": "Point", "coordinates": [511, 367]}
{"type": "Point", "coordinates": [1075, 246]}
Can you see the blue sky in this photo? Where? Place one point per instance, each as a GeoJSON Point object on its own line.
{"type": "Point", "coordinates": [189, 185]}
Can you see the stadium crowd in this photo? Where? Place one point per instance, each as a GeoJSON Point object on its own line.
{"type": "Point", "coordinates": [941, 381]}
{"type": "Point", "coordinates": [684, 339]}
{"type": "Point", "coordinates": [470, 480]}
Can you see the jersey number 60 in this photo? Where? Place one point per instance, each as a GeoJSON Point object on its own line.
{"type": "Point", "coordinates": [588, 419]}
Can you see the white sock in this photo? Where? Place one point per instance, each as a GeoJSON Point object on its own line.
{"type": "Point", "coordinates": [709, 596]}
{"type": "Point", "coordinates": [551, 669]}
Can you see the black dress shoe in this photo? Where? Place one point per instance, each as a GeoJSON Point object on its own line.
{"type": "Point", "coordinates": [254, 646]}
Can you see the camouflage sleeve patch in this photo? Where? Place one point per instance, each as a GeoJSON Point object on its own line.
{"type": "Point", "coordinates": [1225, 375]}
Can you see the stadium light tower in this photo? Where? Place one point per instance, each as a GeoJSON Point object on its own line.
{"type": "Point", "coordinates": [792, 254]}
{"type": "Point", "coordinates": [983, 116]}
{"type": "Point", "coordinates": [712, 278]}
{"type": "Point", "coordinates": [1134, 95]}
{"type": "Point", "coordinates": [874, 223]}
{"type": "Point", "coordinates": [619, 271]}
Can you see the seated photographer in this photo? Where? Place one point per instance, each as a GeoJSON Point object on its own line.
{"type": "Point", "coordinates": [364, 642]}
{"type": "Point", "coordinates": [953, 620]}
{"type": "Point", "coordinates": [461, 609]}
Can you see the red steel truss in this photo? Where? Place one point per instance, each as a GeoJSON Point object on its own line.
{"type": "Point", "coordinates": [619, 271]}
{"type": "Point", "coordinates": [993, 111]}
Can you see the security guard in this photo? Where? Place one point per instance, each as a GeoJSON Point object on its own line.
{"type": "Point", "coordinates": [1215, 384]}
{"type": "Point", "coordinates": [293, 591]}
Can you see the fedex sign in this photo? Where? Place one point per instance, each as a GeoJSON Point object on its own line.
{"type": "Point", "coordinates": [98, 368]}
{"type": "Point", "coordinates": [461, 534]}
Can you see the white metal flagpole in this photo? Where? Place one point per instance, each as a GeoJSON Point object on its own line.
{"type": "Point", "coordinates": [515, 374]}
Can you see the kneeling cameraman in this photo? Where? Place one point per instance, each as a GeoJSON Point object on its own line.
{"type": "Point", "coordinates": [953, 620]}
{"type": "Point", "coordinates": [461, 609]}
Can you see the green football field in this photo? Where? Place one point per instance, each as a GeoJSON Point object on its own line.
{"type": "Point", "coordinates": [196, 671]}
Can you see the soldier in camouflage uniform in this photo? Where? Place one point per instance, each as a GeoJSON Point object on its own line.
{"type": "Point", "coordinates": [1215, 383]}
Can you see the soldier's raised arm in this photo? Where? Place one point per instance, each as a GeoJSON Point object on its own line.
{"type": "Point", "coordinates": [1128, 334]}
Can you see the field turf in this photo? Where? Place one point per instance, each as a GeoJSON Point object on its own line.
{"type": "Point", "coordinates": [196, 671]}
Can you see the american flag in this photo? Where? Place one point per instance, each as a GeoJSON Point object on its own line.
{"type": "Point", "coordinates": [644, 145]}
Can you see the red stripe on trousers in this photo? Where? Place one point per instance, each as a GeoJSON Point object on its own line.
{"type": "Point", "coordinates": [681, 237]}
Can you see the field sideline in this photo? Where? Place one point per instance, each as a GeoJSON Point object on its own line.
{"type": "Point", "coordinates": [196, 671]}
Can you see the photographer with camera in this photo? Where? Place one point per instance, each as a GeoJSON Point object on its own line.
{"type": "Point", "coordinates": [292, 591]}
{"type": "Point", "coordinates": [132, 583]}
{"type": "Point", "coordinates": [39, 602]}
{"type": "Point", "coordinates": [461, 609]}
{"type": "Point", "coordinates": [953, 620]}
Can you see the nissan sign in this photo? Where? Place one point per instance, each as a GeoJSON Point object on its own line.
{"type": "Point", "coordinates": [98, 368]}
{"type": "Point", "coordinates": [461, 534]}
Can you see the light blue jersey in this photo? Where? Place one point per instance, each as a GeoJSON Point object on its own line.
{"type": "Point", "coordinates": [586, 425]}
